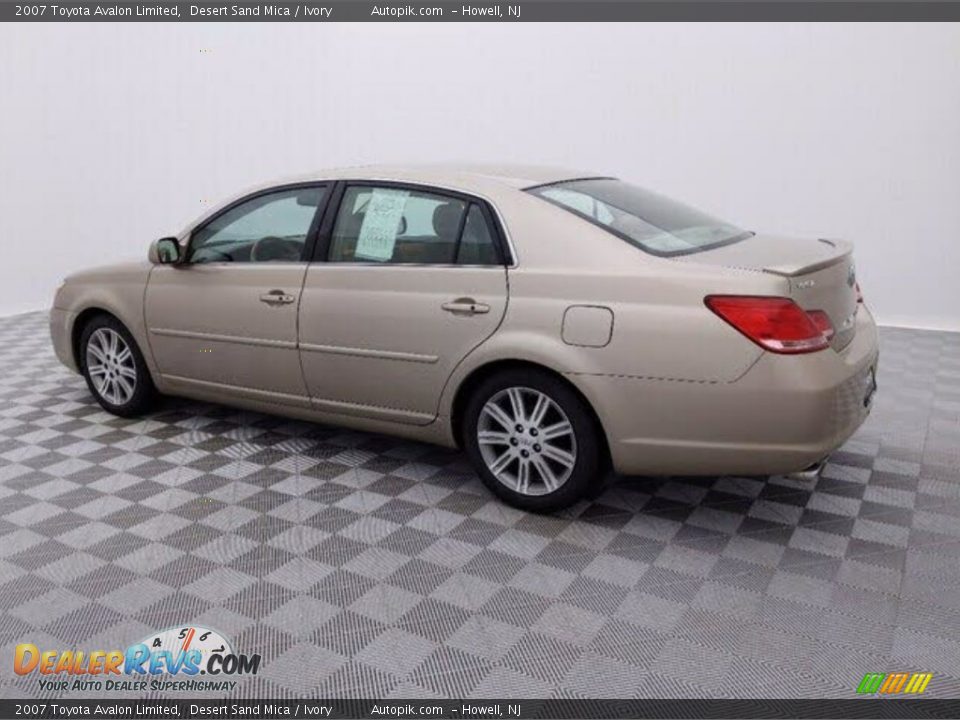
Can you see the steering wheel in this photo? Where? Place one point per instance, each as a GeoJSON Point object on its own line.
{"type": "Point", "coordinates": [276, 249]}
{"type": "Point", "coordinates": [215, 254]}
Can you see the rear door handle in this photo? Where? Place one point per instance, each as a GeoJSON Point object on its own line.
{"type": "Point", "coordinates": [277, 297]}
{"type": "Point", "coordinates": [466, 306]}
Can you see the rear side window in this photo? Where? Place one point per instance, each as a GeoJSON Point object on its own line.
{"type": "Point", "coordinates": [477, 246]}
{"type": "Point", "coordinates": [394, 225]}
{"type": "Point", "coordinates": [650, 221]}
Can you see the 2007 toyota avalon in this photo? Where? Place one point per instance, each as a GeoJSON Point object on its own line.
{"type": "Point", "coordinates": [550, 323]}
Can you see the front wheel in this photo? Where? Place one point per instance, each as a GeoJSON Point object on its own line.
{"type": "Point", "coordinates": [114, 368]}
{"type": "Point", "coordinates": [532, 440]}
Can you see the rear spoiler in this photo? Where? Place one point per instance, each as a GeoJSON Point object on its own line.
{"type": "Point", "coordinates": [841, 249]}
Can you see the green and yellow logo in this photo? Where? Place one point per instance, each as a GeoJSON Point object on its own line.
{"type": "Point", "coordinates": [894, 683]}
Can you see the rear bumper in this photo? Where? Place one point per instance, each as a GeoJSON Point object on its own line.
{"type": "Point", "coordinates": [783, 415]}
{"type": "Point", "coordinates": [61, 325]}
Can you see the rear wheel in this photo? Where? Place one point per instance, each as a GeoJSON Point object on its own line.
{"type": "Point", "coordinates": [532, 440]}
{"type": "Point", "coordinates": [114, 368]}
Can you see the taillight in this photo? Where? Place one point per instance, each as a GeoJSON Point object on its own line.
{"type": "Point", "coordinates": [822, 321]}
{"type": "Point", "coordinates": [774, 323]}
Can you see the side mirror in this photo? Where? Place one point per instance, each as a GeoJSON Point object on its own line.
{"type": "Point", "coordinates": [165, 251]}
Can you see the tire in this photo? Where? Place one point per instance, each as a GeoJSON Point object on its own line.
{"type": "Point", "coordinates": [560, 468]}
{"type": "Point", "coordinates": [120, 382]}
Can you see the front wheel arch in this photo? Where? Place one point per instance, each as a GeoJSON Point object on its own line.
{"type": "Point", "coordinates": [143, 392]}
{"type": "Point", "coordinates": [79, 325]}
{"type": "Point", "coordinates": [477, 376]}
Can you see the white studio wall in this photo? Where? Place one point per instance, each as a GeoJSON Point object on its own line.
{"type": "Point", "coordinates": [114, 135]}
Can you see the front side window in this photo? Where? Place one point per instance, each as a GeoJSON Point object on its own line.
{"type": "Point", "coordinates": [272, 227]}
{"type": "Point", "coordinates": [651, 222]}
{"type": "Point", "coordinates": [400, 225]}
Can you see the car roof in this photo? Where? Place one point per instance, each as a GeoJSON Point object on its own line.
{"type": "Point", "coordinates": [486, 181]}
{"type": "Point", "coordinates": [468, 177]}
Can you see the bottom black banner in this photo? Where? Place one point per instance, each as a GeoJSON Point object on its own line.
{"type": "Point", "coordinates": [474, 709]}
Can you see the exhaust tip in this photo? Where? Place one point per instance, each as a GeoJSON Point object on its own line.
{"type": "Point", "coordinates": [809, 473]}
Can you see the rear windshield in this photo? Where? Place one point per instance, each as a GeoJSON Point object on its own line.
{"type": "Point", "coordinates": [652, 222]}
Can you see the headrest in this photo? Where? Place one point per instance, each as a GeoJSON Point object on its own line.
{"type": "Point", "coordinates": [352, 224]}
{"type": "Point", "coordinates": [446, 220]}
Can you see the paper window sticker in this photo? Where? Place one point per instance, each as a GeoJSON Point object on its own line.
{"type": "Point", "coordinates": [381, 223]}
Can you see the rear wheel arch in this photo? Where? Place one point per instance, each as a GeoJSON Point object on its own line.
{"type": "Point", "coordinates": [478, 375]}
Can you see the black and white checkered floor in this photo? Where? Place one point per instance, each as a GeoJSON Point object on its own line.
{"type": "Point", "coordinates": [361, 565]}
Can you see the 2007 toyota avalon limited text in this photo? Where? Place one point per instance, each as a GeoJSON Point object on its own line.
{"type": "Point", "coordinates": [550, 323]}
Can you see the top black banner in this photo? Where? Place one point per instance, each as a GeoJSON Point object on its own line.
{"type": "Point", "coordinates": [525, 11]}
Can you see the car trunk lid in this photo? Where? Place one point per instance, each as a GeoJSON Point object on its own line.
{"type": "Point", "coordinates": [820, 273]}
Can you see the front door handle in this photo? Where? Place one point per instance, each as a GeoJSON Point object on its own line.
{"type": "Point", "coordinates": [466, 306]}
{"type": "Point", "coordinates": [277, 297]}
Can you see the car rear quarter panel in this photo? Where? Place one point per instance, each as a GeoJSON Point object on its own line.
{"type": "Point", "coordinates": [661, 329]}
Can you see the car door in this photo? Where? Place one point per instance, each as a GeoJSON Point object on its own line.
{"type": "Point", "coordinates": [224, 320]}
{"type": "Point", "coordinates": [408, 281]}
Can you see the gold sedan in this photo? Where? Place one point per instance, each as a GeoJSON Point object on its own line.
{"type": "Point", "coordinates": [550, 323]}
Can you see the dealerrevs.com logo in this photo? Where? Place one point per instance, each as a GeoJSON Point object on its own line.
{"type": "Point", "coordinates": [187, 658]}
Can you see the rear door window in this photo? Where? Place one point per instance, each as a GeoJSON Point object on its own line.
{"type": "Point", "coordinates": [397, 225]}
{"type": "Point", "coordinates": [478, 245]}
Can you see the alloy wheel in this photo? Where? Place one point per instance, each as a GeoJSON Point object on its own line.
{"type": "Point", "coordinates": [526, 441]}
{"type": "Point", "coordinates": [111, 366]}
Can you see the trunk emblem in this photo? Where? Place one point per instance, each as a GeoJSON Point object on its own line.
{"type": "Point", "coordinates": [804, 284]}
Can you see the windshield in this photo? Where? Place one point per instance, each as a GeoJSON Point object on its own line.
{"type": "Point", "coordinates": [652, 222]}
